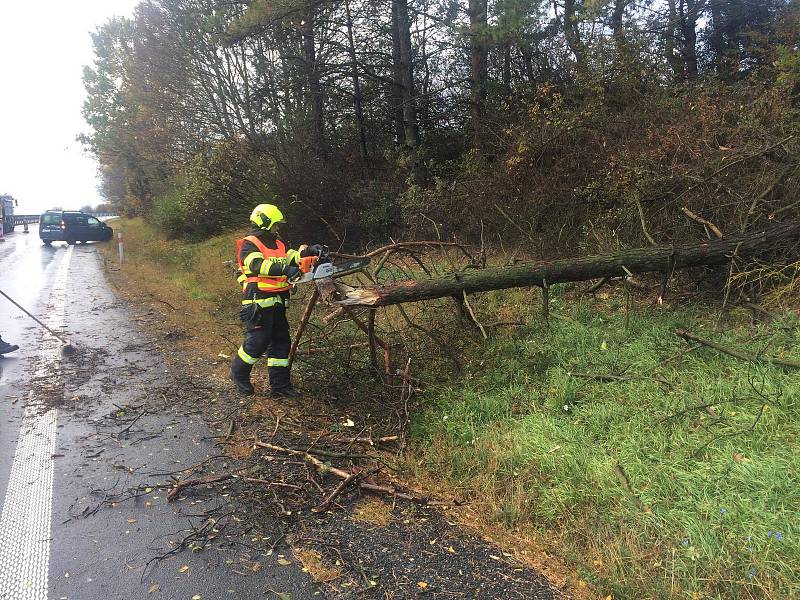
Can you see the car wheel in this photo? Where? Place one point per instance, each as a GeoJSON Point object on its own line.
{"type": "Point", "coordinates": [71, 242]}
{"type": "Point", "coordinates": [47, 242]}
{"type": "Point", "coordinates": [83, 241]}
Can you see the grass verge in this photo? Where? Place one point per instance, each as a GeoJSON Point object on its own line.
{"type": "Point", "coordinates": [676, 477]}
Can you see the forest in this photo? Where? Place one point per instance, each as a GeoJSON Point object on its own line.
{"type": "Point", "coordinates": [571, 126]}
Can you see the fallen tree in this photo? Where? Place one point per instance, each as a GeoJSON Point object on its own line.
{"type": "Point", "coordinates": [665, 259]}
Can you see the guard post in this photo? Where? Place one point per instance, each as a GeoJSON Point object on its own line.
{"type": "Point", "coordinates": [121, 248]}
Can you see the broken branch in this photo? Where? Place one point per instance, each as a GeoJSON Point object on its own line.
{"type": "Point", "coordinates": [370, 487]}
{"type": "Point", "coordinates": [182, 485]}
{"type": "Point", "coordinates": [741, 355]}
{"type": "Point", "coordinates": [698, 219]}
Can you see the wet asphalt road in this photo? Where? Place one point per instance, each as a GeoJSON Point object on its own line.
{"type": "Point", "coordinates": [57, 465]}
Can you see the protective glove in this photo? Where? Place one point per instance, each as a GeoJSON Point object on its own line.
{"type": "Point", "coordinates": [292, 272]}
{"type": "Point", "coordinates": [319, 249]}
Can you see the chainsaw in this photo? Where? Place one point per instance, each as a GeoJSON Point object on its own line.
{"type": "Point", "coordinates": [313, 268]}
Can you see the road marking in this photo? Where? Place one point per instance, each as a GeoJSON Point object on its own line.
{"type": "Point", "coordinates": [27, 508]}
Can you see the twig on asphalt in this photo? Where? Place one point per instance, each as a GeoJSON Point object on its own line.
{"type": "Point", "coordinates": [370, 487]}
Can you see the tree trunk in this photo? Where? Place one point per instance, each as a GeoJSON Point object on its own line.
{"type": "Point", "coordinates": [573, 36]}
{"type": "Point", "coordinates": [527, 62]}
{"type": "Point", "coordinates": [689, 37]}
{"type": "Point", "coordinates": [642, 260]}
{"type": "Point", "coordinates": [478, 65]}
{"type": "Point", "coordinates": [674, 24]}
{"type": "Point", "coordinates": [617, 24]}
{"type": "Point", "coordinates": [357, 96]}
{"type": "Point", "coordinates": [406, 73]}
{"type": "Point", "coordinates": [397, 76]}
{"type": "Point", "coordinates": [717, 39]}
{"type": "Point", "coordinates": [312, 78]}
{"type": "Point", "coordinates": [507, 67]}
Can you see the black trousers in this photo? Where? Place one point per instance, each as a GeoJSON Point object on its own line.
{"type": "Point", "coordinates": [268, 333]}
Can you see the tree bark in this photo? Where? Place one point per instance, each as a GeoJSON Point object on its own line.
{"type": "Point", "coordinates": [641, 260]}
{"type": "Point", "coordinates": [507, 67]}
{"type": "Point", "coordinates": [478, 24]}
{"type": "Point", "coordinates": [312, 77]}
{"type": "Point", "coordinates": [670, 38]}
{"type": "Point", "coordinates": [397, 76]}
{"type": "Point", "coordinates": [617, 23]}
{"type": "Point", "coordinates": [689, 37]}
{"type": "Point", "coordinates": [406, 72]}
{"type": "Point", "coordinates": [716, 40]}
{"type": "Point", "coordinates": [573, 36]}
{"type": "Point", "coordinates": [358, 98]}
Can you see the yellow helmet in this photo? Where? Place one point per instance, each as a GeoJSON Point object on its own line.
{"type": "Point", "coordinates": [264, 216]}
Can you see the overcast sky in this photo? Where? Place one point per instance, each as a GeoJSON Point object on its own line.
{"type": "Point", "coordinates": [43, 48]}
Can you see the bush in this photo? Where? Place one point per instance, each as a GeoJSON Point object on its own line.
{"type": "Point", "coordinates": [216, 192]}
{"type": "Point", "coordinates": [169, 212]}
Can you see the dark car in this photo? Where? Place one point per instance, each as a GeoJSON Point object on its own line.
{"type": "Point", "coordinates": [72, 226]}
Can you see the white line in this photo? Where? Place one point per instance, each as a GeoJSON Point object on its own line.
{"type": "Point", "coordinates": [26, 516]}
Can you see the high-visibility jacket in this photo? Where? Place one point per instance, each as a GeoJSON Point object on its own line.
{"type": "Point", "coordinates": [262, 263]}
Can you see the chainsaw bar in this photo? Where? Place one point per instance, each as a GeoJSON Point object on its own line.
{"type": "Point", "coordinates": [326, 270]}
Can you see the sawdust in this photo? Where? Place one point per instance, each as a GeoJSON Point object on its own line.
{"type": "Point", "coordinates": [239, 447]}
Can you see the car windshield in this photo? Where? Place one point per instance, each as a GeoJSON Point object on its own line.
{"type": "Point", "coordinates": [51, 219]}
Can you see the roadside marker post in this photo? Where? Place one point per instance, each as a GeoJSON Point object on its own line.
{"type": "Point", "coordinates": [121, 247]}
{"type": "Point", "coordinates": [25, 224]}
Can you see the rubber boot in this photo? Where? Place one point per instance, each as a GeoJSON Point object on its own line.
{"type": "Point", "coordinates": [240, 375]}
{"type": "Point", "coordinates": [281, 383]}
{"type": "Point", "coordinates": [5, 347]}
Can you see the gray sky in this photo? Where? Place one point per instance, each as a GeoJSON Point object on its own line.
{"type": "Point", "coordinates": [43, 48]}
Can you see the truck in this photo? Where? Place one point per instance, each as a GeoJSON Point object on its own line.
{"type": "Point", "coordinates": [7, 204]}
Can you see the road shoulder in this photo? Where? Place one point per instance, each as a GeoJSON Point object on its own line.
{"type": "Point", "coordinates": [383, 544]}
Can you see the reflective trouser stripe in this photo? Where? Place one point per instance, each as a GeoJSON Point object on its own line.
{"type": "Point", "coordinates": [266, 302]}
{"type": "Point", "coordinates": [277, 362]}
{"type": "Point", "coordinates": [246, 357]}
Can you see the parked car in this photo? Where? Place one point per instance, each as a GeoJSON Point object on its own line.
{"type": "Point", "coordinates": [71, 227]}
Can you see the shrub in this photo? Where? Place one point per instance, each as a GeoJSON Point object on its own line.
{"type": "Point", "coordinates": [222, 187]}
{"type": "Point", "coordinates": [169, 212]}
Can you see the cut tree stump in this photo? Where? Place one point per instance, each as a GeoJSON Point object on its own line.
{"type": "Point", "coordinates": [621, 264]}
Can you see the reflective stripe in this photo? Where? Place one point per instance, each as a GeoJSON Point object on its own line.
{"type": "Point", "coordinates": [246, 357]}
{"type": "Point", "coordinates": [268, 262]}
{"type": "Point", "coordinates": [293, 256]}
{"type": "Point", "coordinates": [250, 258]}
{"type": "Point", "coordinates": [264, 283]}
{"type": "Point", "coordinates": [267, 302]}
{"type": "Point", "coordinates": [277, 362]}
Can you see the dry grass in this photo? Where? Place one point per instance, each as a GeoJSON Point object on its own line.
{"type": "Point", "coordinates": [778, 286]}
{"type": "Point", "coordinates": [374, 511]}
{"type": "Point", "coordinates": [316, 566]}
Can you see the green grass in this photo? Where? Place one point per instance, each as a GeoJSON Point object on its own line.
{"type": "Point", "coordinates": [541, 449]}
{"type": "Point", "coordinates": [192, 270]}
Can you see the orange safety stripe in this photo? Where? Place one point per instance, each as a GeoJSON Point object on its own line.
{"type": "Point", "coordinates": [280, 284]}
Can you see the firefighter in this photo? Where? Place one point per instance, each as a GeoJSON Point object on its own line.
{"type": "Point", "coordinates": [5, 347]}
{"type": "Point", "coordinates": [266, 268]}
